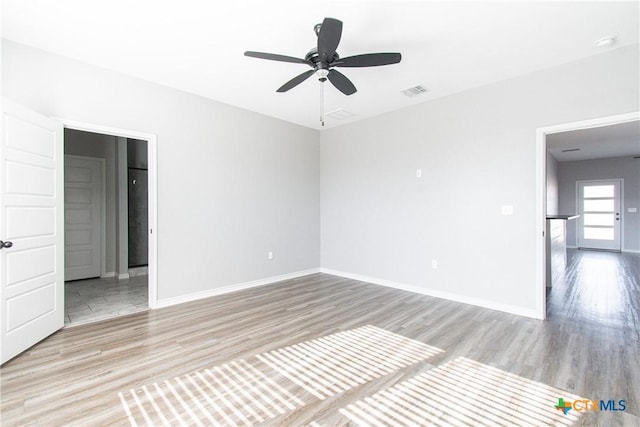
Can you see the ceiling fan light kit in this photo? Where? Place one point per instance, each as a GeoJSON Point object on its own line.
{"type": "Point", "coordinates": [323, 58]}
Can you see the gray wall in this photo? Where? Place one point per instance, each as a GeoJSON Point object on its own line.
{"type": "Point", "coordinates": [552, 185]}
{"type": "Point", "coordinates": [625, 168]}
{"type": "Point", "coordinates": [102, 146]}
{"type": "Point", "coordinates": [232, 184]}
{"type": "Point", "coordinates": [477, 152]}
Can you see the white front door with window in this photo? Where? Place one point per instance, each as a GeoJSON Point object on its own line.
{"type": "Point", "coordinates": [31, 229]}
{"type": "Point", "coordinates": [83, 190]}
{"type": "Point", "coordinates": [599, 209]}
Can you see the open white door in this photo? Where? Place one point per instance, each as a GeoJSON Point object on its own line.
{"type": "Point", "coordinates": [31, 228]}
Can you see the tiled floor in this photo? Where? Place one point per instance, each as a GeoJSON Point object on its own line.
{"type": "Point", "coordinates": [96, 299]}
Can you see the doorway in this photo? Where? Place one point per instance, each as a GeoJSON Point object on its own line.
{"type": "Point", "coordinates": [32, 206]}
{"type": "Point", "coordinates": [116, 201]}
{"type": "Point", "coordinates": [600, 233]}
{"type": "Point", "coordinates": [599, 214]}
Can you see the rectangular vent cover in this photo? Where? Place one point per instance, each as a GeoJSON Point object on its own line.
{"type": "Point", "coordinates": [414, 91]}
{"type": "Point", "coordinates": [340, 114]}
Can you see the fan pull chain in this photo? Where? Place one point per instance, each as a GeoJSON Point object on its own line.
{"type": "Point", "coordinates": [322, 103]}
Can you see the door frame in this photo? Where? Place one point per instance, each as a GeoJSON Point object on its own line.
{"type": "Point", "coordinates": [541, 192]}
{"type": "Point", "coordinates": [152, 159]}
{"type": "Point", "coordinates": [620, 208]}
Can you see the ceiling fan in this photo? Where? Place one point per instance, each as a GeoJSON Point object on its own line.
{"type": "Point", "coordinates": [323, 58]}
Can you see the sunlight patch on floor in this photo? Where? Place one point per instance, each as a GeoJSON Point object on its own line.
{"type": "Point", "coordinates": [335, 363]}
{"type": "Point", "coordinates": [463, 392]}
{"type": "Point", "coordinates": [234, 394]}
{"type": "Point", "coordinates": [239, 394]}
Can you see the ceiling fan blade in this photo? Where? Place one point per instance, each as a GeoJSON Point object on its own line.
{"type": "Point", "coordinates": [369, 60]}
{"type": "Point", "coordinates": [275, 57]}
{"type": "Point", "coordinates": [341, 82]}
{"type": "Point", "coordinates": [328, 38]}
{"type": "Point", "coordinates": [295, 81]}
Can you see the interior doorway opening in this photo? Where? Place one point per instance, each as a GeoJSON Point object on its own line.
{"type": "Point", "coordinates": [602, 149]}
{"type": "Point", "coordinates": [108, 231]}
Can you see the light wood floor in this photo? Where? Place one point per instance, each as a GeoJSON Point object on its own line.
{"type": "Point", "coordinates": [322, 350]}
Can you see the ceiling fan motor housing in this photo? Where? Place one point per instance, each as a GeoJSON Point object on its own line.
{"type": "Point", "coordinates": [312, 57]}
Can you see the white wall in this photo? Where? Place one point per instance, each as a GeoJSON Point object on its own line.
{"type": "Point", "coordinates": [552, 185]}
{"type": "Point", "coordinates": [626, 168]}
{"type": "Point", "coordinates": [232, 184]}
{"type": "Point", "coordinates": [477, 152]}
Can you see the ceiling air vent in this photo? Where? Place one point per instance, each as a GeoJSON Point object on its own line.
{"type": "Point", "coordinates": [340, 114]}
{"type": "Point", "coordinates": [568, 150]}
{"type": "Point", "coordinates": [415, 91]}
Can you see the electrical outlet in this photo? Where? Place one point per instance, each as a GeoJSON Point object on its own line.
{"type": "Point", "coordinates": [270, 255]}
{"type": "Point", "coordinates": [434, 264]}
{"type": "Point", "coordinates": [507, 209]}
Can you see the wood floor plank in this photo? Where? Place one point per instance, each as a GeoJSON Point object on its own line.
{"type": "Point", "coordinates": [80, 375]}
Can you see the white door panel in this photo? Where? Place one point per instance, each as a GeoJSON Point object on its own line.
{"type": "Point", "coordinates": [29, 180]}
{"type": "Point", "coordinates": [83, 222]}
{"type": "Point", "coordinates": [30, 264]}
{"type": "Point", "coordinates": [31, 202]}
{"type": "Point", "coordinates": [29, 138]}
{"type": "Point", "coordinates": [30, 222]}
{"type": "Point", "coordinates": [27, 306]}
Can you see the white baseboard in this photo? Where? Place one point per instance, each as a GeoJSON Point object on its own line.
{"type": "Point", "coordinates": [631, 251]}
{"type": "Point", "coordinates": [138, 271]}
{"type": "Point", "coordinates": [233, 288]}
{"type": "Point", "coordinates": [123, 276]}
{"type": "Point", "coordinates": [109, 274]}
{"type": "Point", "coordinates": [520, 311]}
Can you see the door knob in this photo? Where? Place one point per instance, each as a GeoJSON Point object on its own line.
{"type": "Point", "coordinates": [6, 244]}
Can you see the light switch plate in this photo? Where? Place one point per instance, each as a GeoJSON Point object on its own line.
{"type": "Point", "coordinates": [632, 210]}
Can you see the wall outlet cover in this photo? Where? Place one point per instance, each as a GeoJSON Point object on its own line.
{"type": "Point", "coordinates": [507, 209]}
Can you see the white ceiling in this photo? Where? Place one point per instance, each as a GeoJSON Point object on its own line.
{"type": "Point", "coordinates": [198, 45]}
{"type": "Point", "coordinates": [606, 141]}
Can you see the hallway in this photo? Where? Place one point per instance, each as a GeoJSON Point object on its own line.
{"type": "Point", "coordinates": [97, 299]}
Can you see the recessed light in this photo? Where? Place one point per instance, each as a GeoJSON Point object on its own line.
{"type": "Point", "coordinates": [606, 41]}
